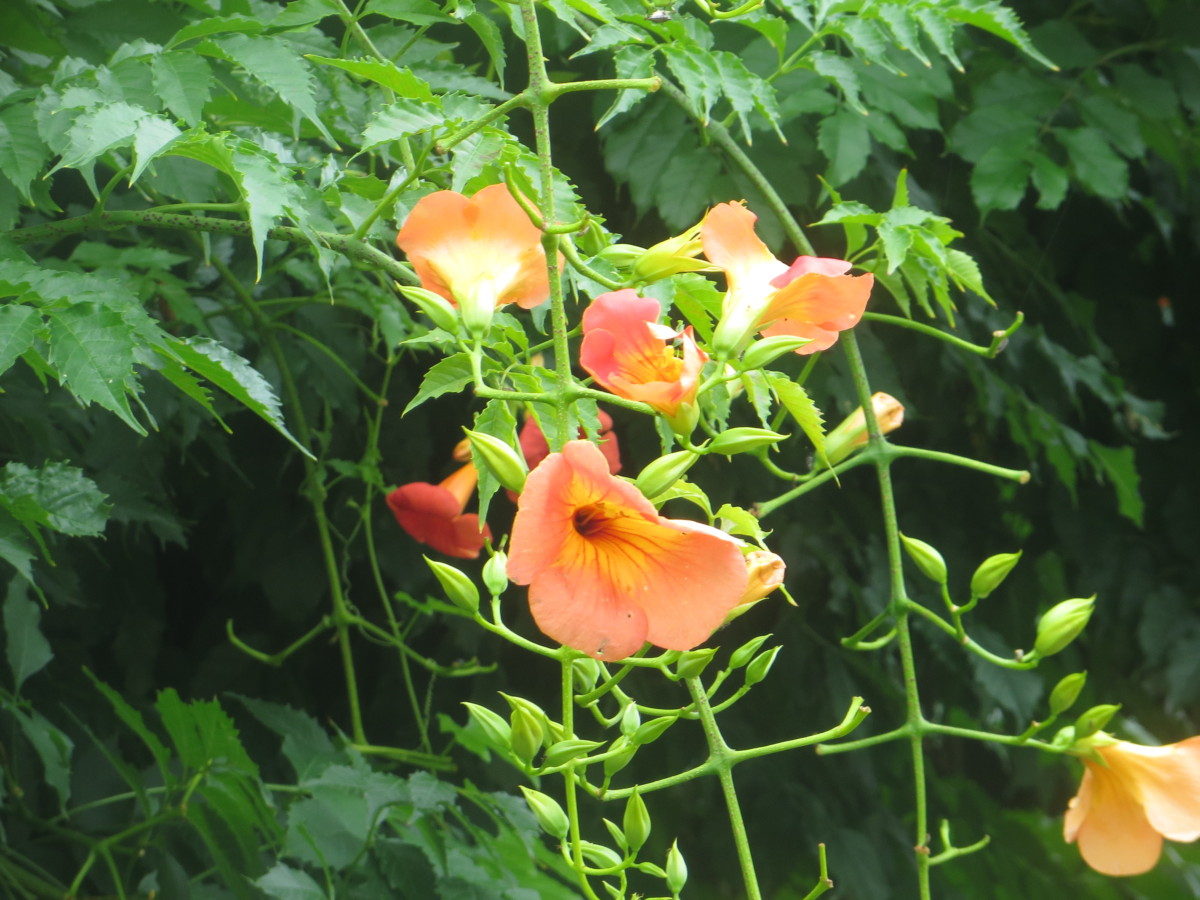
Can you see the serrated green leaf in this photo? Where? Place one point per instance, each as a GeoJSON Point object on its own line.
{"type": "Point", "coordinates": [896, 240]}
{"type": "Point", "coordinates": [994, 17]}
{"type": "Point", "coordinates": [492, 38]}
{"type": "Point", "coordinates": [304, 12]}
{"type": "Point", "coordinates": [843, 74]}
{"type": "Point", "coordinates": [900, 22]}
{"type": "Point", "coordinates": [182, 79]}
{"type": "Point", "coordinates": [22, 152]}
{"type": "Point", "coordinates": [746, 93]}
{"type": "Point", "coordinates": [98, 130]}
{"type": "Point", "coordinates": [999, 179]}
{"type": "Point", "coordinates": [276, 63]}
{"type": "Point", "coordinates": [419, 12]}
{"type": "Point", "coordinates": [305, 743]}
{"type": "Point", "coordinates": [94, 351]}
{"type": "Point", "coordinates": [401, 119]}
{"type": "Point", "coordinates": [19, 326]}
{"type": "Point", "coordinates": [1119, 466]}
{"type": "Point", "coordinates": [234, 375]}
{"type": "Point", "coordinates": [496, 419]}
{"type": "Point", "coordinates": [741, 521]}
{"type": "Point", "coordinates": [283, 882]}
{"type": "Point", "coordinates": [941, 32]}
{"type": "Point", "coordinates": [1051, 182]}
{"type": "Point", "coordinates": [445, 376]}
{"type": "Point", "coordinates": [965, 272]}
{"type": "Point", "coordinates": [216, 25]}
{"type": "Point", "coordinates": [630, 62]}
{"type": "Point", "coordinates": [52, 746]}
{"type": "Point", "coordinates": [844, 140]}
{"type": "Point", "coordinates": [26, 648]}
{"type": "Point", "coordinates": [801, 407]}
{"type": "Point", "coordinates": [154, 134]}
{"type": "Point", "coordinates": [202, 733]}
{"type": "Point", "coordinates": [697, 73]}
{"type": "Point", "coordinates": [401, 81]}
{"type": "Point", "coordinates": [57, 495]}
{"type": "Point", "coordinates": [14, 546]}
{"type": "Point", "coordinates": [137, 724]}
{"type": "Point", "coordinates": [1096, 164]}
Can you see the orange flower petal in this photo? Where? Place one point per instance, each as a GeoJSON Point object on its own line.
{"type": "Point", "coordinates": [433, 516]}
{"type": "Point", "coordinates": [606, 572]}
{"type": "Point", "coordinates": [1166, 781]}
{"type": "Point", "coordinates": [818, 306]}
{"type": "Point", "coordinates": [1115, 837]}
{"type": "Point", "coordinates": [480, 249]}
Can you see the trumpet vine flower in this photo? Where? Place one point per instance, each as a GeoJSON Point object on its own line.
{"type": "Point", "coordinates": [630, 354]}
{"type": "Point", "coordinates": [478, 252]}
{"type": "Point", "coordinates": [813, 298]}
{"type": "Point", "coordinates": [606, 573]}
{"type": "Point", "coordinates": [1132, 797]}
{"type": "Point", "coordinates": [433, 514]}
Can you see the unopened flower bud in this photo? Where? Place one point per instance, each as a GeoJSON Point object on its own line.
{"type": "Point", "coordinates": [492, 724]}
{"type": "Point", "coordinates": [761, 665]}
{"type": "Point", "coordinates": [670, 257]}
{"type": "Point", "coordinates": [636, 822]}
{"type": "Point", "coordinates": [676, 869]}
{"type": "Point", "coordinates": [586, 672]}
{"type": "Point", "coordinates": [928, 559]}
{"type": "Point", "coordinates": [548, 813]}
{"type": "Point", "coordinates": [495, 573]}
{"type": "Point", "coordinates": [1066, 692]}
{"type": "Point", "coordinates": [622, 752]}
{"type": "Point", "coordinates": [851, 433]}
{"type": "Point", "coordinates": [526, 736]}
{"type": "Point", "coordinates": [991, 572]}
{"type": "Point", "coordinates": [661, 474]}
{"type": "Point", "coordinates": [746, 652]}
{"type": "Point", "coordinates": [501, 460]}
{"type": "Point", "coordinates": [1094, 719]}
{"type": "Point", "coordinates": [741, 440]}
{"type": "Point", "coordinates": [565, 751]}
{"type": "Point", "coordinates": [693, 662]}
{"type": "Point", "coordinates": [630, 719]}
{"type": "Point", "coordinates": [1061, 624]}
{"type": "Point", "coordinates": [459, 588]}
{"type": "Point", "coordinates": [649, 732]}
{"type": "Point", "coordinates": [443, 314]}
{"type": "Point", "coordinates": [767, 350]}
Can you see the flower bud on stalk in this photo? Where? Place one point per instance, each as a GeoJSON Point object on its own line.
{"type": "Point", "coordinates": [458, 587]}
{"type": "Point", "coordinates": [498, 732]}
{"type": "Point", "coordinates": [636, 822]}
{"type": "Point", "coordinates": [548, 813]}
{"type": "Point", "coordinates": [928, 559]}
{"type": "Point", "coordinates": [671, 257]}
{"type": "Point", "coordinates": [661, 474]}
{"type": "Point", "coordinates": [851, 433]}
{"type": "Point", "coordinates": [495, 575]}
{"type": "Point", "coordinates": [693, 662]}
{"type": "Point", "coordinates": [676, 869]}
{"type": "Point", "coordinates": [501, 460]}
{"type": "Point", "coordinates": [767, 350]}
{"type": "Point", "coordinates": [741, 440]}
{"type": "Point", "coordinates": [1066, 692]}
{"type": "Point", "coordinates": [1094, 719]}
{"type": "Point", "coordinates": [1061, 624]}
{"type": "Point", "coordinates": [761, 665]}
{"type": "Point", "coordinates": [992, 572]}
{"type": "Point", "coordinates": [526, 737]}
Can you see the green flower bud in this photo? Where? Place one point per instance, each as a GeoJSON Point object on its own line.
{"type": "Point", "coordinates": [526, 737]}
{"type": "Point", "coordinates": [495, 573]}
{"type": "Point", "coordinates": [741, 440]}
{"type": "Point", "coordinates": [498, 732]}
{"type": "Point", "coordinates": [651, 731]}
{"type": "Point", "coordinates": [1066, 692]}
{"type": "Point", "coordinates": [991, 572]}
{"type": "Point", "coordinates": [745, 653]}
{"type": "Point", "coordinates": [621, 255]}
{"type": "Point", "coordinates": [458, 587]}
{"type": "Point", "coordinates": [664, 472]}
{"type": "Point", "coordinates": [630, 719]}
{"type": "Point", "coordinates": [599, 856]}
{"type": "Point", "coordinates": [623, 751]}
{"type": "Point", "coordinates": [676, 869]}
{"type": "Point", "coordinates": [761, 665]}
{"type": "Point", "coordinates": [547, 812]}
{"type": "Point", "coordinates": [501, 460]}
{"type": "Point", "coordinates": [586, 672]}
{"type": "Point", "coordinates": [437, 307]}
{"type": "Point", "coordinates": [769, 349]}
{"type": "Point", "coordinates": [636, 822]}
{"type": "Point", "coordinates": [1061, 624]}
{"type": "Point", "coordinates": [693, 662]}
{"type": "Point", "coordinates": [565, 751]}
{"type": "Point", "coordinates": [1094, 719]}
{"type": "Point", "coordinates": [928, 560]}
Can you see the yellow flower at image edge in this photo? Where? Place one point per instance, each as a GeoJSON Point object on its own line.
{"type": "Point", "coordinates": [1130, 799]}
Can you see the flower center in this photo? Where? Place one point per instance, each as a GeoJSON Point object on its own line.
{"type": "Point", "coordinates": [589, 520]}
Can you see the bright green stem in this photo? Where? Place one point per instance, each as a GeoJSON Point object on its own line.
{"type": "Point", "coordinates": [722, 760]}
{"type": "Point", "coordinates": [570, 780]}
{"type": "Point", "coordinates": [999, 338]}
{"type": "Point", "coordinates": [912, 697]}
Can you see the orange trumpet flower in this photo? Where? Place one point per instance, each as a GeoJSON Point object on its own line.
{"type": "Point", "coordinates": [1132, 797]}
{"type": "Point", "coordinates": [478, 252]}
{"type": "Point", "coordinates": [813, 298]}
{"type": "Point", "coordinates": [433, 514]}
{"type": "Point", "coordinates": [630, 354]}
{"type": "Point", "coordinates": [606, 572]}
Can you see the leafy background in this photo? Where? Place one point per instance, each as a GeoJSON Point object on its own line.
{"type": "Point", "coordinates": [160, 383]}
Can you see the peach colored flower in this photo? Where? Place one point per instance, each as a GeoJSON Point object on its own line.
{"type": "Point", "coordinates": [479, 252]}
{"type": "Point", "coordinates": [765, 570]}
{"type": "Point", "coordinates": [535, 447]}
{"type": "Point", "coordinates": [630, 354]}
{"type": "Point", "coordinates": [1130, 799]}
{"type": "Point", "coordinates": [813, 298]}
{"type": "Point", "coordinates": [433, 514]}
{"type": "Point", "coordinates": [606, 572]}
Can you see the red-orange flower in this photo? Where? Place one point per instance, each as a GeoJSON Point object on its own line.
{"type": "Point", "coordinates": [1132, 798]}
{"type": "Point", "coordinates": [813, 298]}
{"type": "Point", "coordinates": [433, 514]}
{"type": "Point", "coordinates": [535, 447]}
{"type": "Point", "coordinates": [606, 572]}
{"type": "Point", "coordinates": [478, 252]}
{"type": "Point", "coordinates": [630, 354]}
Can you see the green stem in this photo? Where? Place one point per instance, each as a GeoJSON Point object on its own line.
{"type": "Point", "coordinates": [966, 641]}
{"type": "Point", "coordinates": [992, 350]}
{"type": "Point", "coordinates": [723, 760]}
{"type": "Point", "coordinates": [570, 780]}
{"type": "Point", "coordinates": [1021, 476]}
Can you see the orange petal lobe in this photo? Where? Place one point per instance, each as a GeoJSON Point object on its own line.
{"type": "Point", "coordinates": [1115, 837]}
{"type": "Point", "coordinates": [1167, 782]}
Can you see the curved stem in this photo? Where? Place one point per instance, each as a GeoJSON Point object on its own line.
{"type": "Point", "coordinates": [992, 350]}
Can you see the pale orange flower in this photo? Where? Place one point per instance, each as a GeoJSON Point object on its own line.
{"type": "Point", "coordinates": [765, 570]}
{"type": "Point", "coordinates": [629, 353]}
{"type": "Point", "coordinates": [606, 572]}
{"type": "Point", "coordinates": [1130, 799]}
{"type": "Point", "coordinates": [851, 433]}
{"type": "Point", "coordinates": [433, 513]}
{"type": "Point", "coordinates": [813, 298]}
{"type": "Point", "coordinates": [478, 252]}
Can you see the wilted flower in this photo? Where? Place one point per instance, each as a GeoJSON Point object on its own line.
{"type": "Point", "coordinates": [813, 298]}
{"type": "Point", "coordinates": [606, 572]}
{"type": "Point", "coordinates": [765, 571]}
{"type": "Point", "coordinates": [629, 353]}
{"type": "Point", "coordinates": [851, 433]}
{"type": "Point", "coordinates": [433, 514]}
{"type": "Point", "coordinates": [1132, 797]}
{"type": "Point", "coordinates": [478, 252]}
